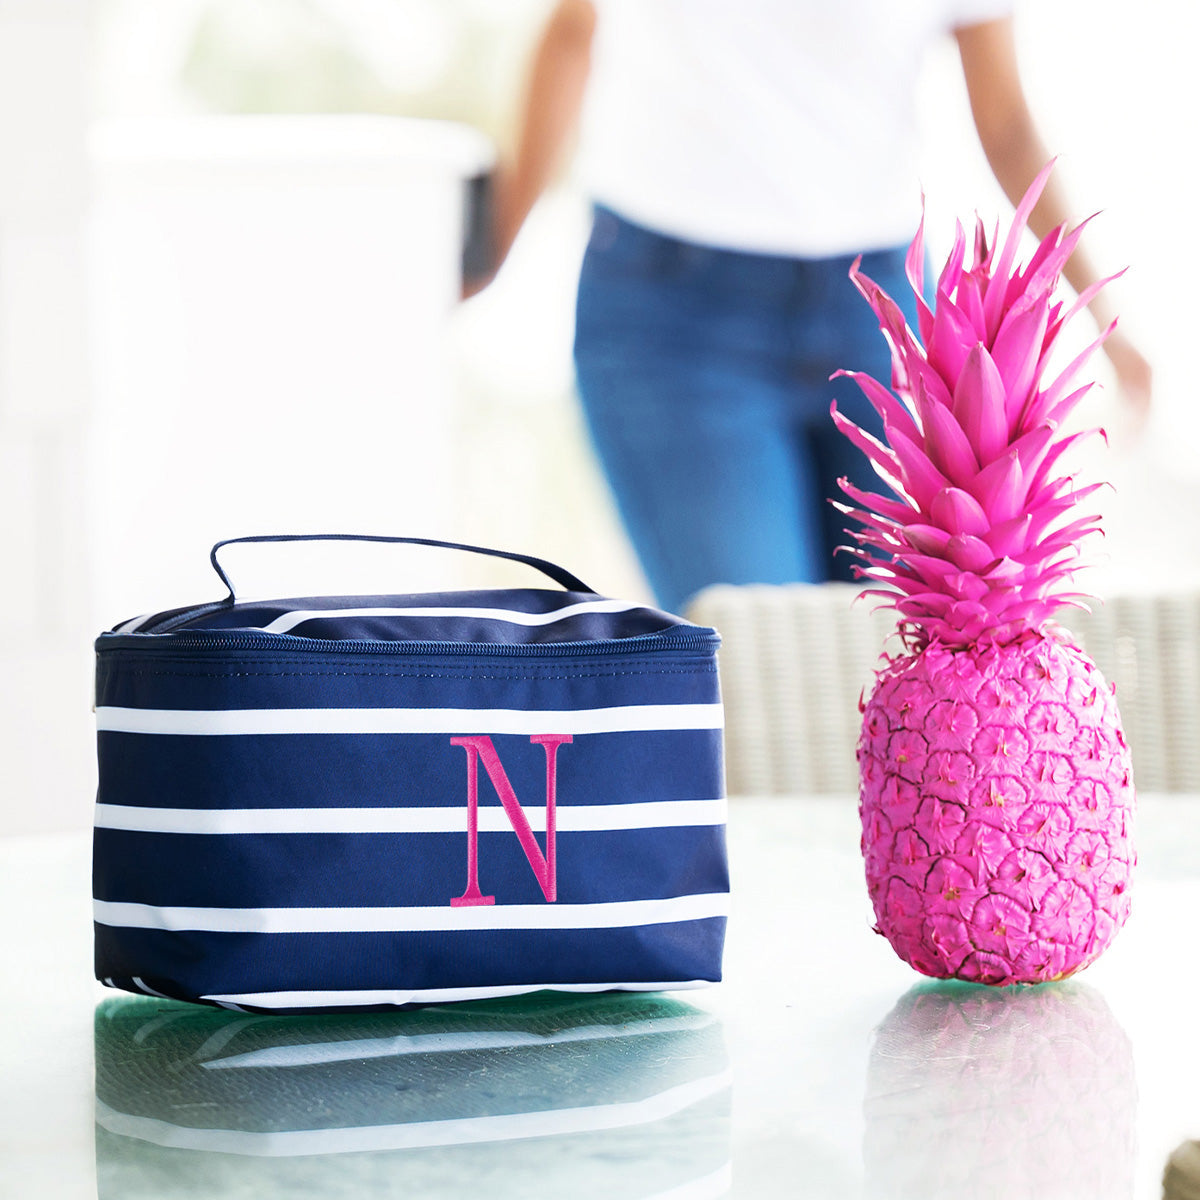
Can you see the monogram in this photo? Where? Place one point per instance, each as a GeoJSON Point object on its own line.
{"type": "Point", "coordinates": [479, 748]}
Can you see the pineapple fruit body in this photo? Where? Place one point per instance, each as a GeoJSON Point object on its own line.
{"type": "Point", "coordinates": [997, 809]}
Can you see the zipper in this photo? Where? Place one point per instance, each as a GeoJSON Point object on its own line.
{"type": "Point", "coordinates": [692, 637]}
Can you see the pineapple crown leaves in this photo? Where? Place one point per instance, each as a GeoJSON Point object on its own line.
{"type": "Point", "coordinates": [981, 538]}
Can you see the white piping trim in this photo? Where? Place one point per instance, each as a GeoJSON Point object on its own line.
{"type": "Point", "coordinates": [620, 914]}
{"type": "Point", "coordinates": [289, 620]}
{"type": "Point", "coordinates": [131, 625]}
{"type": "Point", "coordinates": [579, 818]}
{"type": "Point", "coordinates": [629, 718]}
{"type": "Point", "coordinates": [437, 995]}
{"type": "Point", "coordinates": [460, 1131]}
{"type": "Point", "coordinates": [143, 986]}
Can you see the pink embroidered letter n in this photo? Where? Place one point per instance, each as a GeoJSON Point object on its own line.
{"type": "Point", "coordinates": [480, 747]}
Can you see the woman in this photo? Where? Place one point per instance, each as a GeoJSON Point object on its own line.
{"type": "Point", "coordinates": [740, 157]}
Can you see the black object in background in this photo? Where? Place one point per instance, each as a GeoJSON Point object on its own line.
{"type": "Point", "coordinates": [479, 243]}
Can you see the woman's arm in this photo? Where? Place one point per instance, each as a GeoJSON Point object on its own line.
{"type": "Point", "coordinates": [1016, 153]}
{"type": "Point", "coordinates": [550, 111]}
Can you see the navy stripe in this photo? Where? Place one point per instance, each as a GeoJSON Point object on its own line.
{"type": "Point", "coordinates": [275, 679]}
{"type": "Point", "coordinates": [402, 870]}
{"type": "Point", "coordinates": [254, 614]}
{"type": "Point", "coordinates": [579, 627]}
{"type": "Point", "coordinates": [196, 963]}
{"type": "Point", "coordinates": [398, 770]}
{"type": "Point", "coordinates": [576, 627]}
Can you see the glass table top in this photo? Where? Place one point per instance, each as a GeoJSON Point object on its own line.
{"type": "Point", "coordinates": [822, 1067]}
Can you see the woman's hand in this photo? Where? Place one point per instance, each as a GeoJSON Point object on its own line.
{"type": "Point", "coordinates": [553, 99]}
{"type": "Point", "coordinates": [1015, 152]}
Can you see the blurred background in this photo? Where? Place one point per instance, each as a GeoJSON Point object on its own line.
{"type": "Point", "coordinates": [210, 329]}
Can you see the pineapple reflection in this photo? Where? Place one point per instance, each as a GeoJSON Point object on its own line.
{"type": "Point", "coordinates": [545, 1095]}
{"type": "Point", "coordinates": [980, 1092]}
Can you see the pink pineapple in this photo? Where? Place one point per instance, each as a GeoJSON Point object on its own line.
{"type": "Point", "coordinates": [996, 788]}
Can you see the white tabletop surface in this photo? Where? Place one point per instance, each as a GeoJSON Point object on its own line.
{"type": "Point", "coordinates": [851, 1075]}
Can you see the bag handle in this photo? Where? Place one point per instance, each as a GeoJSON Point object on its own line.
{"type": "Point", "coordinates": [563, 578]}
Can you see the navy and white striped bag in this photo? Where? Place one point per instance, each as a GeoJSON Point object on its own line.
{"type": "Point", "coordinates": [369, 801]}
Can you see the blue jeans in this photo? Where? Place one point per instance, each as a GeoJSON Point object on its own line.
{"type": "Point", "coordinates": [704, 377]}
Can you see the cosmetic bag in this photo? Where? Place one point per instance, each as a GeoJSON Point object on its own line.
{"type": "Point", "coordinates": [360, 802]}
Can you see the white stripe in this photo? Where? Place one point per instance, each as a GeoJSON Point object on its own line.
{"type": "Point", "coordinates": [411, 1135]}
{"type": "Point", "coordinates": [130, 626]}
{"type": "Point", "coordinates": [437, 995]}
{"type": "Point", "coordinates": [629, 718]}
{"type": "Point", "coordinates": [469, 1041]}
{"type": "Point", "coordinates": [290, 620]}
{"type": "Point", "coordinates": [618, 914]}
{"type": "Point", "coordinates": [142, 986]}
{"type": "Point", "coordinates": [580, 818]}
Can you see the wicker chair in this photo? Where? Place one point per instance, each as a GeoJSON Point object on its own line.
{"type": "Point", "coordinates": [795, 659]}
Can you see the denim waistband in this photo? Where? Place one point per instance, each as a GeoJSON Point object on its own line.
{"type": "Point", "coordinates": [625, 242]}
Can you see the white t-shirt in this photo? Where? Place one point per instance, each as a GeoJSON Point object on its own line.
{"type": "Point", "coordinates": [782, 126]}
